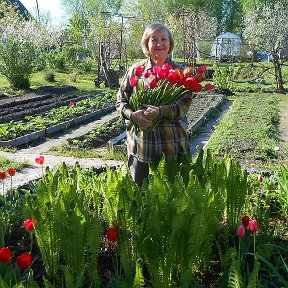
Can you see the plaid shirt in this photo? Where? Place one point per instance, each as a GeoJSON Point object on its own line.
{"type": "Point", "coordinates": [169, 137]}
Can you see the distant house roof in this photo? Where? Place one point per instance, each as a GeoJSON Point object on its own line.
{"type": "Point", "coordinates": [21, 8]}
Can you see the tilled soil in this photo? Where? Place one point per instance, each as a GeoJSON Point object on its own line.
{"type": "Point", "coordinates": [37, 102]}
{"type": "Point", "coordinates": [201, 105]}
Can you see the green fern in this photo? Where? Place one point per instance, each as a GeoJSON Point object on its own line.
{"type": "Point", "coordinates": [139, 278]}
{"type": "Point", "coordinates": [235, 277]}
{"type": "Point", "coordinates": [253, 278]}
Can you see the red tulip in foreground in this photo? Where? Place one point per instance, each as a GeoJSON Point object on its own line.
{"type": "Point", "coordinates": [24, 260]}
{"type": "Point", "coordinates": [112, 234]}
{"type": "Point", "coordinates": [5, 254]}
{"type": "Point", "coordinates": [241, 231]}
{"type": "Point", "coordinates": [40, 160]}
{"type": "Point", "coordinates": [29, 224]}
{"type": "Point", "coordinates": [260, 178]}
{"type": "Point", "coordinates": [11, 171]}
{"type": "Point", "coordinates": [2, 175]}
{"type": "Point", "coordinates": [253, 226]}
{"type": "Point", "coordinates": [245, 220]}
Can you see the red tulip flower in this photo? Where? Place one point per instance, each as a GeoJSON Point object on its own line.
{"type": "Point", "coordinates": [29, 224]}
{"type": "Point", "coordinates": [202, 68]}
{"type": "Point", "coordinates": [260, 178]}
{"type": "Point", "coordinates": [148, 73]}
{"type": "Point", "coordinates": [71, 103]}
{"type": "Point", "coordinates": [138, 71]}
{"type": "Point", "coordinates": [198, 88]}
{"type": "Point", "coordinates": [253, 226]}
{"type": "Point", "coordinates": [153, 84]}
{"type": "Point", "coordinates": [5, 254]}
{"type": "Point", "coordinates": [112, 234]}
{"type": "Point", "coordinates": [166, 67]}
{"type": "Point", "coordinates": [172, 76]}
{"type": "Point", "coordinates": [191, 82]}
{"type": "Point", "coordinates": [209, 86]}
{"type": "Point", "coordinates": [241, 231]}
{"type": "Point", "coordinates": [156, 70]}
{"type": "Point", "coordinates": [162, 74]}
{"type": "Point", "coordinates": [245, 220]}
{"type": "Point", "coordinates": [2, 175]}
{"type": "Point", "coordinates": [24, 260]}
{"type": "Point", "coordinates": [11, 171]}
{"type": "Point", "coordinates": [133, 81]}
{"type": "Point", "coordinates": [40, 160]}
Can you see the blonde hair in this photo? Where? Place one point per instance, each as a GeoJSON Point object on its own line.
{"type": "Point", "coordinates": [150, 30]}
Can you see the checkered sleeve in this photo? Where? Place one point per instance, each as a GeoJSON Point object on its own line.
{"type": "Point", "coordinates": [124, 94]}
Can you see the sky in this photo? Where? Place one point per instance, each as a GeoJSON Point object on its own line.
{"type": "Point", "coordinates": [52, 6]}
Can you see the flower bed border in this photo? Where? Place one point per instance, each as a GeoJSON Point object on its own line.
{"type": "Point", "coordinates": [28, 138]}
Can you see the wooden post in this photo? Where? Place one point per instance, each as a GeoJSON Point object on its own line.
{"type": "Point", "coordinates": [103, 63]}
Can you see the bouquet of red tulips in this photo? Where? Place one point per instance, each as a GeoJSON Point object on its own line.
{"type": "Point", "coordinates": [163, 85]}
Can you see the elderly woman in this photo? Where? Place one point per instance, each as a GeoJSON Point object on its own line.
{"type": "Point", "coordinates": [169, 137]}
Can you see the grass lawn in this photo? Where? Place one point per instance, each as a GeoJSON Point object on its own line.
{"type": "Point", "coordinates": [84, 82]}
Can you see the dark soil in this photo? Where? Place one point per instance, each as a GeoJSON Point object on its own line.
{"type": "Point", "coordinates": [37, 102]}
{"type": "Point", "coordinates": [101, 135]}
{"type": "Point", "coordinates": [200, 105]}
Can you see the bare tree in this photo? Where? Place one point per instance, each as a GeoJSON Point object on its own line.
{"type": "Point", "coordinates": [266, 29]}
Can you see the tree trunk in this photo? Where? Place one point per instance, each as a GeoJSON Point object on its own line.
{"type": "Point", "coordinates": [103, 63]}
{"type": "Point", "coordinates": [278, 72]}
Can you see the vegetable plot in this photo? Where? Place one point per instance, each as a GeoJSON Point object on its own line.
{"type": "Point", "coordinates": [42, 114]}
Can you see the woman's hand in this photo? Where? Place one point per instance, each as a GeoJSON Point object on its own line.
{"type": "Point", "coordinates": [151, 112]}
{"type": "Point", "coordinates": [139, 118]}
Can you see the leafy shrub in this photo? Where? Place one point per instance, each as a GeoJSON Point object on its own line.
{"type": "Point", "coordinates": [50, 76]}
{"type": "Point", "coordinates": [17, 61]}
{"type": "Point", "coordinates": [223, 76]}
{"type": "Point", "coordinates": [87, 64]}
{"type": "Point", "coordinates": [73, 77]}
{"type": "Point", "coordinates": [56, 60]}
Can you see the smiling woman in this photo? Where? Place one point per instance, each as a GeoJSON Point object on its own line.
{"type": "Point", "coordinates": [169, 136]}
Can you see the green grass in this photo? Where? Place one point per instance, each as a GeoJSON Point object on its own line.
{"type": "Point", "coordinates": [250, 129]}
{"type": "Point", "coordinates": [5, 163]}
{"type": "Point", "coordinates": [117, 153]}
{"type": "Point", "coordinates": [84, 82]}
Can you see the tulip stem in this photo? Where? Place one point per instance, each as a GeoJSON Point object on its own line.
{"type": "Point", "coordinates": [239, 249]}
{"type": "Point", "coordinates": [254, 246]}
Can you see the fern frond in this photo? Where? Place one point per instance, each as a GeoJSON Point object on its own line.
{"type": "Point", "coordinates": [139, 278]}
{"type": "Point", "coordinates": [235, 277]}
{"type": "Point", "coordinates": [94, 232]}
{"type": "Point", "coordinates": [253, 278]}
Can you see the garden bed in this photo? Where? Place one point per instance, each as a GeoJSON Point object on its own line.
{"type": "Point", "coordinates": [47, 114]}
{"type": "Point", "coordinates": [37, 102]}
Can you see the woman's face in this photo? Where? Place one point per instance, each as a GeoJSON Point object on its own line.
{"type": "Point", "coordinates": [159, 44]}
